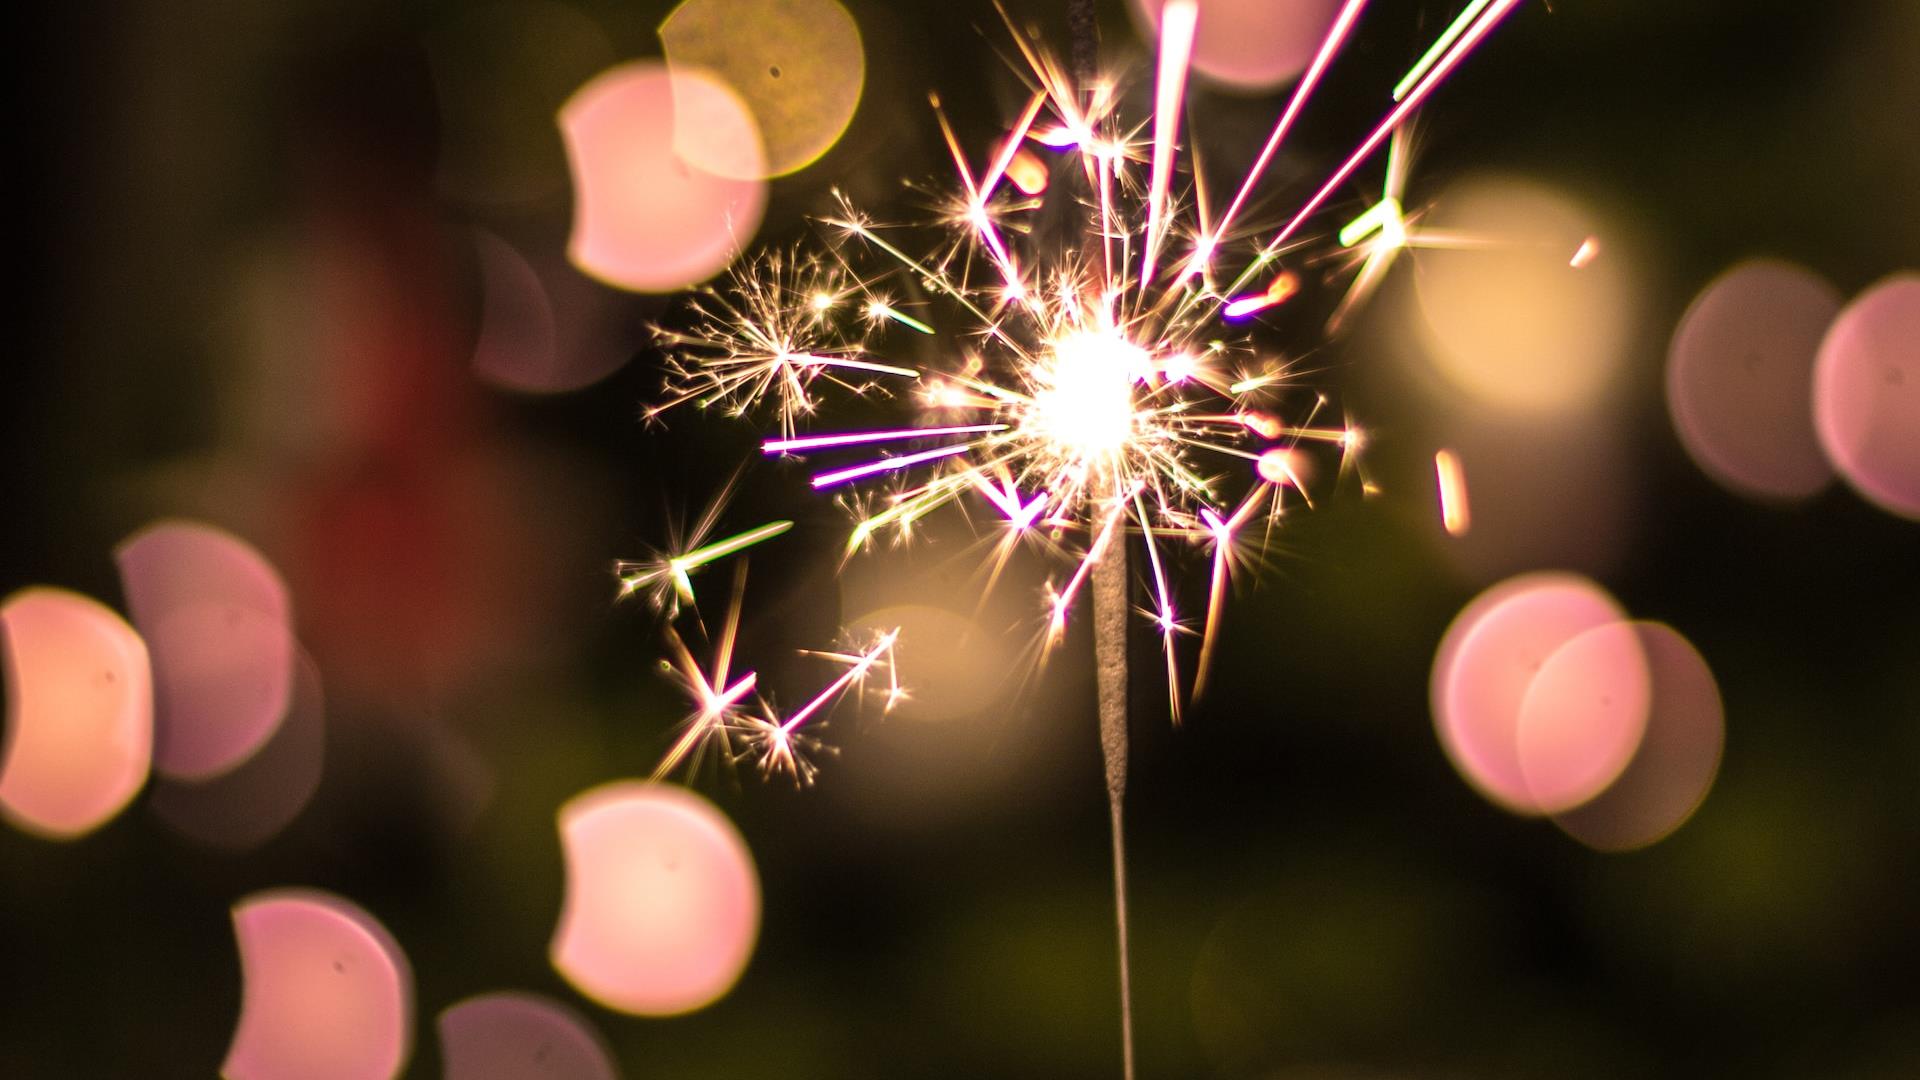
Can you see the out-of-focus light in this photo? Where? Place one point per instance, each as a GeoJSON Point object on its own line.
{"type": "Point", "coordinates": [1674, 767]}
{"type": "Point", "coordinates": [951, 666]}
{"type": "Point", "coordinates": [500, 69]}
{"type": "Point", "coordinates": [1250, 45]}
{"type": "Point", "coordinates": [1455, 515]}
{"type": "Point", "coordinates": [645, 218]}
{"type": "Point", "coordinates": [1582, 717]}
{"type": "Point", "coordinates": [662, 904]}
{"type": "Point", "coordinates": [522, 343]}
{"type": "Point", "coordinates": [1486, 663]}
{"type": "Point", "coordinates": [1027, 172]}
{"type": "Point", "coordinates": [1280, 465]}
{"type": "Point", "coordinates": [797, 65]}
{"type": "Point", "coordinates": [244, 808]}
{"type": "Point", "coordinates": [953, 753]}
{"type": "Point", "coordinates": [1740, 378]}
{"type": "Point", "coordinates": [325, 992]}
{"type": "Point", "coordinates": [516, 1036]}
{"type": "Point", "coordinates": [1507, 320]}
{"type": "Point", "coordinates": [517, 346]}
{"type": "Point", "coordinates": [1086, 403]}
{"type": "Point", "coordinates": [217, 619]}
{"type": "Point", "coordinates": [79, 731]}
{"type": "Point", "coordinates": [1588, 251]}
{"type": "Point", "coordinates": [1866, 394]}
{"type": "Point", "coordinates": [1281, 289]}
{"type": "Point", "coordinates": [172, 563]}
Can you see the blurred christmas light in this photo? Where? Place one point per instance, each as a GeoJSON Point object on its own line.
{"type": "Point", "coordinates": [1486, 665]}
{"type": "Point", "coordinates": [662, 903]}
{"type": "Point", "coordinates": [218, 623]}
{"type": "Point", "coordinates": [1252, 46]}
{"type": "Point", "coordinates": [1674, 767]}
{"type": "Point", "coordinates": [1866, 394]}
{"type": "Point", "coordinates": [798, 67]}
{"type": "Point", "coordinates": [519, 1036]}
{"type": "Point", "coordinates": [326, 993]}
{"type": "Point", "coordinates": [1740, 378]}
{"type": "Point", "coordinates": [645, 218]}
{"type": "Point", "coordinates": [79, 731]}
{"type": "Point", "coordinates": [1554, 340]}
{"type": "Point", "coordinates": [243, 808]}
{"type": "Point", "coordinates": [1582, 717]}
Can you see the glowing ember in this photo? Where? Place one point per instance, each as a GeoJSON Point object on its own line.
{"type": "Point", "coordinates": [1453, 492]}
{"type": "Point", "coordinates": [1278, 466]}
{"type": "Point", "coordinates": [662, 904]}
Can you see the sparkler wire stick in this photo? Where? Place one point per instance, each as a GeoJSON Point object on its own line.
{"type": "Point", "coordinates": [1110, 674]}
{"type": "Point", "coordinates": [1110, 633]}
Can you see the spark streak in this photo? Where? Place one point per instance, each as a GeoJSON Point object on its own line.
{"type": "Point", "coordinates": [677, 570]}
{"type": "Point", "coordinates": [906, 461]}
{"type": "Point", "coordinates": [781, 747]}
{"type": "Point", "coordinates": [1177, 22]}
{"type": "Point", "coordinates": [720, 549]}
{"type": "Point", "coordinates": [857, 438]}
{"type": "Point", "coordinates": [1447, 37]}
{"type": "Point", "coordinates": [1427, 83]}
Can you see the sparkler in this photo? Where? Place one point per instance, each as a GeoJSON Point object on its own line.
{"type": "Point", "coordinates": [1089, 389]}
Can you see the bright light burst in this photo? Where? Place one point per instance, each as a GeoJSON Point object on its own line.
{"type": "Point", "coordinates": [1088, 385]}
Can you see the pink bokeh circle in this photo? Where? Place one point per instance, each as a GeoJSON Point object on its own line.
{"type": "Point", "coordinates": [1740, 377]}
{"type": "Point", "coordinates": [662, 904]}
{"type": "Point", "coordinates": [1487, 662]}
{"type": "Point", "coordinates": [1866, 395]}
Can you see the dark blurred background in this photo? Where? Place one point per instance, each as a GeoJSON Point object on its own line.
{"type": "Point", "coordinates": [249, 293]}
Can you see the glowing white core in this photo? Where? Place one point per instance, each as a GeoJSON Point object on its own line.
{"type": "Point", "coordinates": [1085, 401]}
